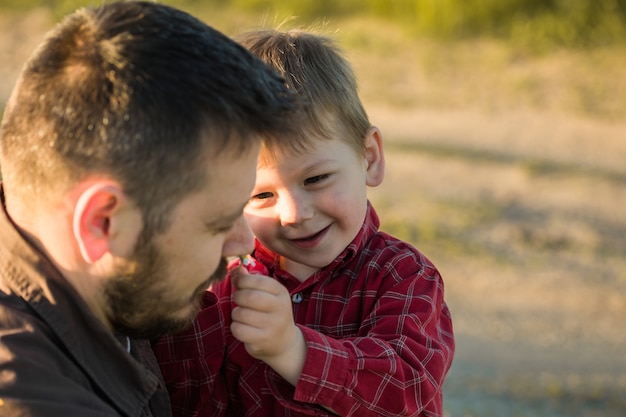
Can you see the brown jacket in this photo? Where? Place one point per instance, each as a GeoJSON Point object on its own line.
{"type": "Point", "coordinates": [56, 358]}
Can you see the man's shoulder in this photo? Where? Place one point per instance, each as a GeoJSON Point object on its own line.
{"type": "Point", "coordinates": [22, 331]}
{"type": "Point", "coordinates": [14, 310]}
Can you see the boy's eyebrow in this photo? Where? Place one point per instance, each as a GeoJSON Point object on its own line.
{"type": "Point", "coordinates": [317, 164]}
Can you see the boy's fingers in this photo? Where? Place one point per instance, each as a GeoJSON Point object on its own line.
{"type": "Point", "coordinates": [244, 280]}
{"type": "Point", "coordinates": [255, 299]}
{"type": "Point", "coordinates": [248, 317]}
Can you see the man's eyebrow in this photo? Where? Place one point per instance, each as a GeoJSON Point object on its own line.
{"type": "Point", "coordinates": [227, 218]}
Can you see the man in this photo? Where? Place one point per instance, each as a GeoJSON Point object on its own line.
{"type": "Point", "coordinates": [128, 150]}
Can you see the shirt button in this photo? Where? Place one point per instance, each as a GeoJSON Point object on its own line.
{"type": "Point", "coordinates": [297, 298]}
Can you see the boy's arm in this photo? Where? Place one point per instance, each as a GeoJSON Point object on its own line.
{"type": "Point", "coordinates": [395, 366]}
{"type": "Point", "coordinates": [263, 322]}
{"type": "Point", "coordinates": [397, 363]}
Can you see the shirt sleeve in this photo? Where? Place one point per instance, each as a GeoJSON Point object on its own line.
{"type": "Point", "coordinates": [396, 365]}
{"type": "Point", "coordinates": [191, 364]}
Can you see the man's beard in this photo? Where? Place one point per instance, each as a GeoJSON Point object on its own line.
{"type": "Point", "coordinates": [136, 298]}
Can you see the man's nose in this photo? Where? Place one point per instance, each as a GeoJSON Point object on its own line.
{"type": "Point", "coordinates": [240, 239]}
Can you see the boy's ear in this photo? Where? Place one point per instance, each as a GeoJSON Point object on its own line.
{"type": "Point", "coordinates": [105, 222]}
{"type": "Point", "coordinates": [374, 156]}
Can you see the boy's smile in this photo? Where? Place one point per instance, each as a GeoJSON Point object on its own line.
{"type": "Point", "coordinates": [311, 240]}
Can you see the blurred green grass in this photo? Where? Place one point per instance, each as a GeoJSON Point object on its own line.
{"type": "Point", "coordinates": [495, 55]}
{"type": "Point", "coordinates": [539, 24]}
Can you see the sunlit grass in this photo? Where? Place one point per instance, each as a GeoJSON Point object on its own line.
{"type": "Point", "coordinates": [479, 68]}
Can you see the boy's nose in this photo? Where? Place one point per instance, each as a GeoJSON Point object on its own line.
{"type": "Point", "coordinates": [294, 209]}
{"type": "Point", "coordinates": [240, 239]}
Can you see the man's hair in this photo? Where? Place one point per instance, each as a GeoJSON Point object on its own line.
{"type": "Point", "coordinates": [317, 71]}
{"type": "Point", "coordinates": [140, 92]}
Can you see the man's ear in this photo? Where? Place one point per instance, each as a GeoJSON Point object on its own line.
{"type": "Point", "coordinates": [104, 222]}
{"type": "Point", "coordinates": [374, 156]}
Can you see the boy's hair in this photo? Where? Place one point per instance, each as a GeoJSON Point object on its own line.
{"type": "Point", "coordinates": [140, 92]}
{"type": "Point", "coordinates": [323, 80]}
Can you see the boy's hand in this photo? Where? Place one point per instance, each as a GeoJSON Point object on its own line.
{"type": "Point", "coordinates": [263, 321]}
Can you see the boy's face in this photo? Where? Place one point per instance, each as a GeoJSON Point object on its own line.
{"type": "Point", "coordinates": [308, 207]}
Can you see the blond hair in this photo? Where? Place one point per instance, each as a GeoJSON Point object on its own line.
{"type": "Point", "coordinates": [316, 70]}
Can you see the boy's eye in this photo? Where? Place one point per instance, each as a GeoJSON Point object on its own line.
{"type": "Point", "coordinates": [316, 179]}
{"type": "Point", "coordinates": [262, 196]}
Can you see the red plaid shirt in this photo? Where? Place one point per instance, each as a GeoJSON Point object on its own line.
{"type": "Point", "coordinates": [378, 333]}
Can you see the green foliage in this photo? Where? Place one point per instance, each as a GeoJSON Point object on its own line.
{"type": "Point", "coordinates": [59, 8]}
{"type": "Point", "coordinates": [305, 9]}
{"type": "Point", "coordinates": [573, 23]}
{"type": "Point", "coordinates": [538, 24]}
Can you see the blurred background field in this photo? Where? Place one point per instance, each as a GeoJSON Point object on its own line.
{"type": "Point", "coordinates": [505, 131]}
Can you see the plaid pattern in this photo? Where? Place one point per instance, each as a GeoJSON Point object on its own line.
{"type": "Point", "coordinates": [378, 333]}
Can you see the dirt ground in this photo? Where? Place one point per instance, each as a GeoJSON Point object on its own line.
{"type": "Point", "coordinates": [524, 214]}
{"type": "Point", "coordinates": [538, 286]}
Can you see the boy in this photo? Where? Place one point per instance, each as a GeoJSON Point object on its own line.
{"type": "Point", "coordinates": [353, 321]}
